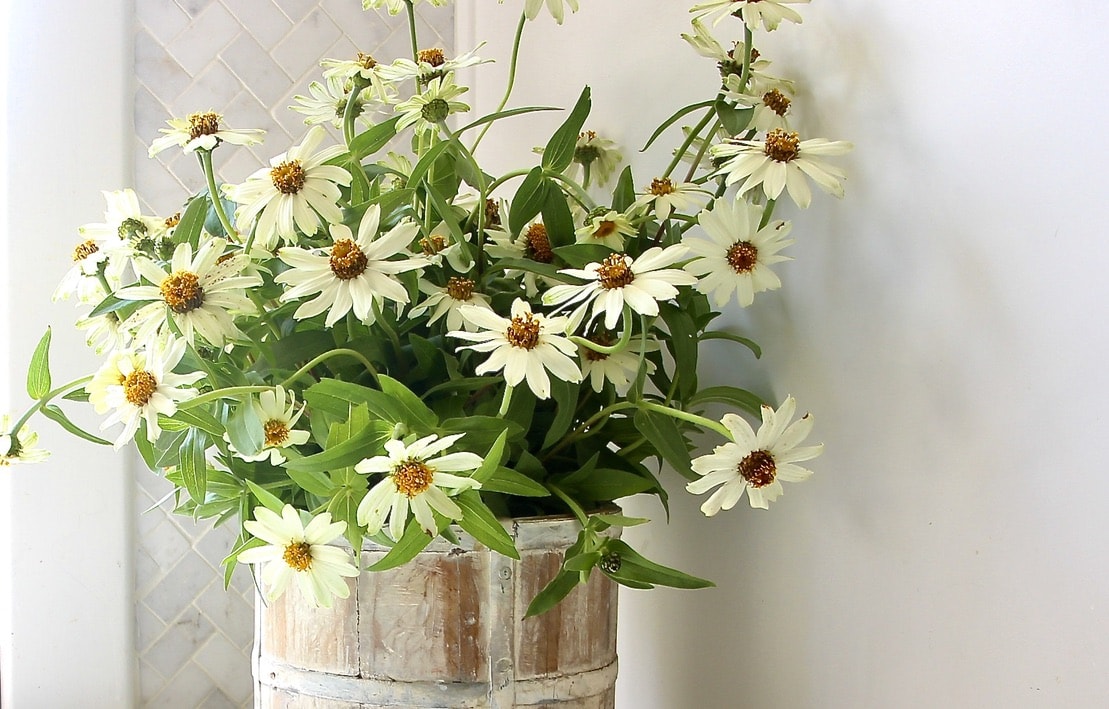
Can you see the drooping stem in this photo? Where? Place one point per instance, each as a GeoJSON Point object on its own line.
{"type": "Point", "coordinates": [511, 79]}
{"type": "Point", "coordinates": [687, 417]}
{"type": "Point", "coordinates": [46, 399]}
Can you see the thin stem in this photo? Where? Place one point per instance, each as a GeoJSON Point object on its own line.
{"type": "Point", "coordinates": [625, 338]}
{"type": "Point", "coordinates": [581, 430]}
{"type": "Point", "coordinates": [506, 401]}
{"type": "Point", "coordinates": [328, 355]}
{"type": "Point", "coordinates": [412, 36]}
{"type": "Point", "coordinates": [46, 399]}
{"type": "Point", "coordinates": [767, 213]}
{"type": "Point", "coordinates": [701, 153]}
{"type": "Point", "coordinates": [511, 79]}
{"type": "Point", "coordinates": [213, 193]}
{"type": "Point", "coordinates": [688, 142]}
{"type": "Point", "coordinates": [578, 192]}
{"type": "Point", "coordinates": [574, 506]}
{"type": "Point", "coordinates": [224, 393]}
{"type": "Point", "coordinates": [506, 177]}
{"type": "Point", "coordinates": [687, 417]}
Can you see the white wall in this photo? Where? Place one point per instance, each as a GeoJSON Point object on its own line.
{"type": "Point", "coordinates": [65, 604]}
{"type": "Point", "coordinates": [944, 324]}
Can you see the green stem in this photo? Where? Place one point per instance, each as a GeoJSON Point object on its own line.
{"type": "Point", "coordinates": [328, 355]}
{"type": "Point", "coordinates": [46, 399]}
{"type": "Point", "coordinates": [574, 506]}
{"type": "Point", "coordinates": [506, 401]}
{"type": "Point", "coordinates": [581, 430]}
{"type": "Point", "coordinates": [412, 37]}
{"type": "Point", "coordinates": [696, 131]}
{"type": "Point", "coordinates": [511, 79]}
{"type": "Point", "coordinates": [505, 178]}
{"type": "Point", "coordinates": [224, 393]}
{"type": "Point", "coordinates": [745, 76]}
{"type": "Point", "coordinates": [687, 417]}
{"type": "Point", "coordinates": [767, 213]}
{"type": "Point", "coordinates": [701, 153]}
{"type": "Point", "coordinates": [578, 192]}
{"type": "Point", "coordinates": [625, 338]}
{"type": "Point", "coordinates": [213, 193]}
{"type": "Point", "coordinates": [483, 195]}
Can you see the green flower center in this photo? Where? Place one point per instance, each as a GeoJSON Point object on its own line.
{"type": "Point", "coordinates": [132, 229]}
{"type": "Point", "coordinates": [435, 110]}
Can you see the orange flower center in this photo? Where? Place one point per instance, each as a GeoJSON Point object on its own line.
{"type": "Point", "coordinates": [776, 101]}
{"type": "Point", "coordinates": [433, 57]}
{"type": "Point", "coordinates": [139, 386]}
{"type": "Point", "coordinates": [537, 245]}
{"type": "Point", "coordinates": [460, 288]}
{"type": "Point", "coordinates": [782, 146]}
{"type": "Point", "coordinates": [662, 186]}
{"type": "Point", "coordinates": [758, 469]}
{"type": "Point", "coordinates": [288, 177]}
{"type": "Point", "coordinates": [412, 477]}
{"type": "Point", "coordinates": [298, 555]}
{"type": "Point", "coordinates": [84, 250]}
{"type": "Point", "coordinates": [523, 332]}
{"type": "Point", "coordinates": [182, 292]}
{"type": "Point", "coordinates": [203, 124]}
{"type": "Point", "coordinates": [366, 61]}
{"type": "Point", "coordinates": [347, 260]}
{"type": "Point", "coordinates": [433, 244]}
{"type": "Point", "coordinates": [614, 272]}
{"type": "Point", "coordinates": [277, 432]}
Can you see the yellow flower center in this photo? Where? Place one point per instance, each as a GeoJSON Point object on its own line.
{"type": "Point", "coordinates": [758, 469]}
{"type": "Point", "coordinates": [139, 386]}
{"type": "Point", "coordinates": [288, 177]}
{"type": "Point", "coordinates": [662, 186]}
{"type": "Point", "coordinates": [433, 244]}
{"type": "Point", "coordinates": [614, 272]}
{"type": "Point", "coordinates": [347, 260]}
{"type": "Point", "coordinates": [84, 250]}
{"type": "Point", "coordinates": [433, 57]}
{"type": "Point", "coordinates": [277, 432]}
{"type": "Point", "coordinates": [203, 124]}
{"type": "Point", "coordinates": [782, 146]}
{"type": "Point", "coordinates": [182, 292]}
{"type": "Point", "coordinates": [366, 61]}
{"type": "Point", "coordinates": [412, 477]}
{"type": "Point", "coordinates": [776, 101]}
{"type": "Point", "coordinates": [537, 245]}
{"type": "Point", "coordinates": [298, 555]}
{"type": "Point", "coordinates": [460, 288]}
{"type": "Point", "coordinates": [173, 221]}
{"type": "Point", "coordinates": [742, 256]}
{"type": "Point", "coordinates": [523, 332]}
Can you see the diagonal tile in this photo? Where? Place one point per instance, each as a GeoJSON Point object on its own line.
{"type": "Point", "coordinates": [263, 19]}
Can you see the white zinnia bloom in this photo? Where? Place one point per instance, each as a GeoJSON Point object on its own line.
{"type": "Point", "coordinates": [447, 301]}
{"type": "Point", "coordinates": [555, 7]}
{"type": "Point", "coordinates": [327, 102]}
{"type": "Point", "coordinates": [533, 244]}
{"type": "Point", "coordinates": [278, 420]}
{"type": "Point", "coordinates": [771, 104]}
{"type": "Point", "coordinates": [354, 273]}
{"type": "Point", "coordinates": [139, 386]}
{"type": "Point", "coordinates": [620, 280]}
{"type": "Point", "coordinates": [104, 333]}
{"type": "Point", "coordinates": [780, 162]}
{"type": "Point", "coordinates": [598, 156]}
{"type": "Point", "coordinates": [199, 294]}
{"type": "Point", "coordinates": [294, 192]}
{"type": "Point", "coordinates": [106, 255]}
{"type": "Point", "coordinates": [738, 255]}
{"type": "Point", "coordinates": [125, 229]}
{"type": "Point", "coordinates": [430, 64]}
{"type": "Point", "coordinates": [606, 227]}
{"type": "Point", "coordinates": [769, 13]}
{"type": "Point", "coordinates": [202, 131]}
{"type": "Point", "coordinates": [395, 7]}
{"type": "Point", "coordinates": [22, 447]}
{"type": "Point", "coordinates": [300, 551]}
{"type": "Point", "coordinates": [427, 110]}
{"type": "Point", "coordinates": [664, 197]}
{"type": "Point", "coordinates": [526, 346]}
{"type": "Point", "coordinates": [416, 477]}
{"type": "Point", "coordinates": [754, 462]}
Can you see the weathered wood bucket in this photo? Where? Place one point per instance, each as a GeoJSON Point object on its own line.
{"type": "Point", "coordinates": [446, 630]}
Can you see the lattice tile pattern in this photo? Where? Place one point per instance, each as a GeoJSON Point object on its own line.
{"type": "Point", "coordinates": [245, 59]}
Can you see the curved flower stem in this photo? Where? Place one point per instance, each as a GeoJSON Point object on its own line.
{"type": "Point", "coordinates": [349, 116]}
{"type": "Point", "coordinates": [505, 178]}
{"type": "Point", "coordinates": [213, 193]}
{"type": "Point", "coordinates": [578, 192]}
{"type": "Point", "coordinates": [224, 393]}
{"type": "Point", "coordinates": [701, 153]}
{"type": "Point", "coordinates": [506, 401]}
{"type": "Point", "coordinates": [687, 417]}
{"type": "Point", "coordinates": [511, 79]}
{"type": "Point", "coordinates": [46, 399]}
{"type": "Point", "coordinates": [745, 76]}
{"type": "Point", "coordinates": [767, 213]}
{"type": "Point", "coordinates": [328, 355]}
{"type": "Point", "coordinates": [696, 131]}
{"type": "Point", "coordinates": [625, 338]}
{"type": "Point", "coordinates": [582, 430]}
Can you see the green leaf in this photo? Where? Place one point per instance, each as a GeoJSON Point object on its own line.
{"type": "Point", "coordinates": [421, 168]}
{"type": "Point", "coordinates": [367, 441]}
{"type": "Point", "coordinates": [565, 395]}
{"type": "Point", "coordinates": [230, 562]}
{"type": "Point", "coordinates": [412, 542]}
{"type": "Point", "coordinates": [505, 114]}
{"type": "Point", "coordinates": [522, 264]}
{"type": "Point", "coordinates": [194, 469]}
{"type": "Point", "coordinates": [557, 217]}
{"type": "Point", "coordinates": [559, 152]}
{"type": "Point", "coordinates": [370, 141]}
{"type": "Point", "coordinates": [415, 409]}
{"type": "Point", "coordinates": [663, 433]}
{"type": "Point", "coordinates": [721, 335]}
{"type": "Point", "coordinates": [674, 119]}
{"type": "Point", "coordinates": [682, 344]}
{"type": "Point", "coordinates": [510, 482]}
{"type": "Point", "coordinates": [38, 372]}
{"type": "Point", "coordinates": [618, 520]}
{"type": "Point", "coordinates": [146, 450]}
{"type": "Point", "coordinates": [53, 413]}
{"type": "Point", "coordinates": [578, 255]}
{"type": "Point", "coordinates": [635, 569]}
{"type": "Point", "coordinates": [492, 460]}
{"type": "Point", "coordinates": [244, 428]}
{"type": "Point", "coordinates": [337, 397]}
{"type": "Point", "coordinates": [313, 482]}
{"type": "Point", "coordinates": [197, 418]}
{"type": "Point", "coordinates": [735, 119]}
{"type": "Point", "coordinates": [623, 195]}
{"type": "Point", "coordinates": [751, 403]}
{"type": "Point", "coordinates": [192, 221]}
{"type": "Point", "coordinates": [343, 507]}
{"type": "Point", "coordinates": [528, 201]}
{"type": "Point", "coordinates": [270, 501]}
{"type": "Point", "coordinates": [553, 593]}
{"type": "Point", "coordinates": [582, 562]}
{"type": "Point", "coordinates": [111, 304]}
{"type": "Point", "coordinates": [607, 484]}
{"type": "Point", "coordinates": [483, 525]}
{"type": "Point", "coordinates": [482, 431]}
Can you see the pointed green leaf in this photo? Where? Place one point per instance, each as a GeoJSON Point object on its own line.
{"type": "Point", "coordinates": [635, 569]}
{"type": "Point", "coordinates": [751, 403]}
{"type": "Point", "coordinates": [53, 413]}
{"type": "Point", "coordinates": [244, 428]}
{"type": "Point", "coordinates": [528, 201]}
{"type": "Point", "coordinates": [559, 152]}
{"type": "Point", "coordinates": [483, 525]}
{"type": "Point", "coordinates": [192, 221]}
{"type": "Point", "coordinates": [734, 119]}
{"type": "Point", "coordinates": [505, 114]}
{"type": "Point", "coordinates": [412, 542]}
{"type": "Point", "coordinates": [565, 395]}
{"type": "Point", "coordinates": [38, 372]}
{"type": "Point", "coordinates": [557, 217]}
{"type": "Point", "coordinates": [667, 439]}
{"type": "Point", "coordinates": [510, 482]}
{"type": "Point", "coordinates": [492, 460]}
{"type": "Point", "coordinates": [623, 195]}
{"type": "Point", "coordinates": [194, 469]}
{"type": "Point", "coordinates": [553, 593]}
{"type": "Point", "coordinates": [674, 119]}
{"type": "Point", "coordinates": [416, 410]}
{"type": "Point", "coordinates": [375, 138]}
{"type": "Point", "coordinates": [270, 501]}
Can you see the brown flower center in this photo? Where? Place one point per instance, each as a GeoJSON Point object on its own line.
{"type": "Point", "coordinates": [782, 146]}
{"type": "Point", "coordinates": [605, 229]}
{"type": "Point", "coordinates": [434, 57]}
{"type": "Point", "coordinates": [492, 213]}
{"type": "Point", "coordinates": [288, 177]}
{"type": "Point", "coordinates": [412, 477]}
{"type": "Point", "coordinates": [662, 186]}
{"type": "Point", "coordinates": [139, 386]}
{"type": "Point", "coordinates": [182, 292]}
{"type": "Point", "coordinates": [433, 244]}
{"type": "Point", "coordinates": [84, 250]}
{"type": "Point", "coordinates": [277, 432]}
{"type": "Point", "coordinates": [366, 61]}
{"type": "Point", "coordinates": [742, 256]}
{"type": "Point", "coordinates": [460, 288]}
{"type": "Point", "coordinates": [604, 339]}
{"type": "Point", "coordinates": [758, 469]}
{"type": "Point", "coordinates": [523, 332]}
{"type": "Point", "coordinates": [298, 555]}
{"type": "Point", "coordinates": [537, 245]}
{"type": "Point", "coordinates": [614, 272]}
{"type": "Point", "coordinates": [776, 101]}
{"type": "Point", "coordinates": [173, 221]}
{"type": "Point", "coordinates": [347, 260]}
{"type": "Point", "coordinates": [203, 124]}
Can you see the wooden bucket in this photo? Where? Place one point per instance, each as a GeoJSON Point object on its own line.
{"type": "Point", "coordinates": [446, 630]}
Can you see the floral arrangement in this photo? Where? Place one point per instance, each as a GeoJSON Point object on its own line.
{"type": "Point", "coordinates": [397, 345]}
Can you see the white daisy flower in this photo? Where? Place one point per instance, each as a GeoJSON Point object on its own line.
{"type": "Point", "coordinates": [416, 478]}
{"type": "Point", "coordinates": [362, 70]}
{"type": "Point", "coordinates": [607, 227]}
{"type": "Point", "coordinates": [664, 197]}
{"type": "Point", "coordinates": [20, 447]}
{"type": "Point", "coordinates": [555, 7]}
{"type": "Point", "coordinates": [757, 463]}
{"type": "Point", "coordinates": [780, 162]}
{"type": "Point", "coordinates": [693, 152]}
{"type": "Point", "coordinates": [327, 103]}
{"type": "Point", "coordinates": [124, 224]}
{"type": "Point", "coordinates": [278, 421]}
{"type": "Point", "coordinates": [427, 110]}
{"type": "Point", "coordinates": [447, 301]}
{"type": "Point", "coordinates": [620, 280]}
{"type": "Point", "coordinates": [139, 385]}
{"type": "Point", "coordinates": [730, 62]}
{"type": "Point", "coordinates": [202, 131]}
{"type": "Point", "coordinates": [440, 246]}
{"type": "Point", "coordinates": [598, 156]}
{"type": "Point", "coordinates": [91, 258]}
{"type": "Point", "coordinates": [430, 64]}
{"type": "Point", "coordinates": [199, 294]}
{"type": "Point", "coordinates": [737, 257]}
{"type": "Point", "coordinates": [104, 333]}
{"type": "Point", "coordinates": [300, 551]}
{"type": "Point", "coordinates": [354, 273]}
{"type": "Point", "coordinates": [295, 192]}
{"type": "Point", "coordinates": [771, 105]}
{"type": "Point", "coordinates": [525, 346]}
{"type": "Point", "coordinates": [395, 7]}
{"type": "Point", "coordinates": [769, 13]}
{"type": "Point", "coordinates": [620, 368]}
{"type": "Point", "coordinates": [533, 244]}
